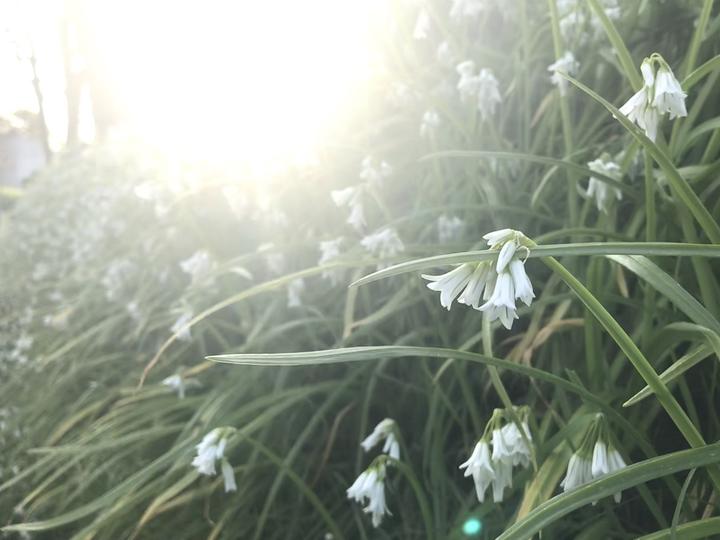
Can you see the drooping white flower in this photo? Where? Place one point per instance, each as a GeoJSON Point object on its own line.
{"type": "Point", "coordinates": [450, 284]}
{"type": "Point", "coordinates": [430, 122]}
{"type": "Point", "coordinates": [669, 96]}
{"type": "Point", "coordinates": [175, 382]}
{"type": "Point", "coordinates": [502, 480]}
{"type": "Point", "coordinates": [383, 244]}
{"type": "Point", "coordinates": [211, 450]}
{"type": "Point", "coordinates": [422, 25]}
{"type": "Point", "coordinates": [498, 237]}
{"type": "Point", "coordinates": [481, 468]}
{"type": "Point", "coordinates": [579, 472]}
{"type": "Point", "coordinates": [385, 430]}
{"type": "Point", "coordinates": [294, 291]}
{"type": "Point", "coordinates": [374, 174]}
{"type": "Point", "coordinates": [476, 285]}
{"type": "Point", "coordinates": [352, 197]}
{"type": "Point", "coordinates": [521, 282]}
{"type": "Point", "coordinates": [516, 450]}
{"type": "Point", "coordinates": [329, 250]}
{"type": "Point", "coordinates": [488, 93]}
{"type": "Point", "coordinates": [565, 64]}
{"type": "Point", "coordinates": [197, 265]}
{"type": "Point", "coordinates": [467, 85]}
{"type": "Point", "coordinates": [180, 327]}
{"type": "Point", "coordinates": [449, 228]}
{"type": "Point", "coordinates": [370, 486]}
{"type": "Point", "coordinates": [606, 460]}
{"type": "Point", "coordinates": [600, 190]}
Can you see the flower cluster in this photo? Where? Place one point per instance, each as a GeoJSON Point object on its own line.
{"type": "Point", "coordinates": [661, 93]}
{"type": "Point", "coordinates": [370, 485]}
{"type": "Point", "coordinates": [483, 88]}
{"type": "Point", "coordinates": [383, 244]}
{"type": "Point", "coordinates": [509, 449]}
{"type": "Point", "coordinates": [595, 457]}
{"type": "Point", "coordinates": [430, 122]}
{"type": "Point", "coordinates": [600, 190]}
{"type": "Point", "coordinates": [211, 450]}
{"type": "Point", "coordinates": [498, 284]}
{"type": "Point", "coordinates": [565, 64]}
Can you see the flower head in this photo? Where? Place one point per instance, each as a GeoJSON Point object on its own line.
{"type": "Point", "coordinates": [294, 291]}
{"type": "Point", "coordinates": [449, 228]}
{"type": "Point", "coordinates": [352, 197]}
{"type": "Point", "coordinates": [599, 190]}
{"type": "Point", "coordinates": [181, 326]}
{"type": "Point", "coordinates": [384, 430]}
{"type": "Point", "coordinates": [480, 467]}
{"type": "Point", "coordinates": [383, 244]}
{"type": "Point", "coordinates": [565, 64]}
{"type": "Point", "coordinates": [211, 450]}
{"type": "Point", "coordinates": [370, 487]}
{"type": "Point", "coordinates": [430, 122]}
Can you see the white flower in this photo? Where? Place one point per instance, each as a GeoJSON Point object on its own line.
{"type": "Point", "coordinates": [639, 109]}
{"type": "Point", "coordinates": [352, 198]}
{"type": "Point", "coordinates": [499, 236]}
{"type": "Point", "coordinates": [605, 462]}
{"type": "Point", "coordinates": [176, 383]}
{"type": "Point", "coordinates": [180, 328]}
{"type": "Point", "coordinates": [476, 285]}
{"type": "Point", "coordinates": [502, 480]}
{"type": "Point", "coordinates": [430, 122]}
{"type": "Point", "coordinates": [509, 445]}
{"type": "Point", "coordinates": [467, 85]}
{"type": "Point", "coordinates": [600, 190]}
{"type": "Point", "coordinates": [449, 228]}
{"type": "Point", "coordinates": [228, 476]}
{"type": "Point", "coordinates": [450, 284]}
{"type": "Point", "coordinates": [373, 174]}
{"type": "Point", "coordinates": [329, 250]}
{"type": "Point", "coordinates": [565, 64]}
{"type": "Point", "coordinates": [384, 430]}
{"type": "Point", "coordinates": [479, 466]}
{"type": "Point", "coordinates": [501, 304]}
{"type": "Point", "coordinates": [294, 290]}
{"type": "Point", "coordinates": [669, 96]}
{"type": "Point", "coordinates": [466, 8]}
{"type": "Point", "coordinates": [211, 450]}
{"type": "Point", "coordinates": [370, 485]}
{"type": "Point", "coordinates": [422, 25]}
{"type": "Point", "coordinates": [383, 244]}
{"type": "Point", "coordinates": [521, 282]}
{"type": "Point", "coordinates": [579, 472]}
{"type": "Point", "coordinates": [197, 265]}
{"type": "Point", "coordinates": [488, 93]}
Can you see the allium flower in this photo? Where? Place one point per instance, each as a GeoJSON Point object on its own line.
{"type": "Point", "coordinates": [669, 96]}
{"type": "Point", "coordinates": [422, 25]}
{"type": "Point", "coordinates": [175, 382]}
{"type": "Point", "coordinates": [450, 284]}
{"type": "Point", "coordinates": [373, 174]}
{"type": "Point", "coordinates": [661, 93]}
{"type": "Point", "coordinates": [606, 460]}
{"type": "Point", "coordinates": [579, 472]}
{"type": "Point", "coordinates": [352, 198]}
{"type": "Point", "coordinates": [502, 480]}
{"type": "Point", "coordinates": [501, 304]}
{"type": "Point", "coordinates": [197, 265]}
{"type": "Point", "coordinates": [211, 450]}
{"type": "Point", "coordinates": [480, 467]}
{"type": "Point", "coordinates": [498, 237]}
{"type": "Point", "coordinates": [599, 190]}
{"type": "Point", "coordinates": [565, 64]}
{"type": "Point", "coordinates": [467, 8]}
{"type": "Point", "coordinates": [329, 250]}
{"type": "Point", "coordinates": [294, 290]}
{"type": "Point", "coordinates": [449, 228]}
{"type": "Point", "coordinates": [384, 430]}
{"type": "Point", "coordinates": [430, 122]}
{"type": "Point", "coordinates": [370, 486]}
{"type": "Point", "coordinates": [483, 87]}
{"type": "Point", "coordinates": [514, 449]}
{"type": "Point", "coordinates": [180, 328]}
{"type": "Point", "coordinates": [383, 244]}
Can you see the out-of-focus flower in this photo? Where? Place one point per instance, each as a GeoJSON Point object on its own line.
{"type": "Point", "coordinates": [211, 450]}
{"type": "Point", "coordinates": [422, 25]}
{"type": "Point", "coordinates": [383, 244]}
{"type": "Point", "coordinates": [449, 228]}
{"type": "Point", "coordinates": [294, 290]}
{"type": "Point", "coordinates": [329, 250]}
{"type": "Point", "coordinates": [565, 64]}
{"type": "Point", "coordinates": [179, 384]}
{"type": "Point", "coordinates": [374, 174]}
{"type": "Point", "coordinates": [352, 197]}
{"type": "Point", "coordinates": [198, 265]}
{"type": "Point", "coordinates": [430, 122]}
{"type": "Point", "coordinates": [484, 88]}
{"type": "Point", "coordinates": [180, 327]}
{"type": "Point", "coordinates": [598, 189]}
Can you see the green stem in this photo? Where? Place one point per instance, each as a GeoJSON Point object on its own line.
{"type": "Point", "coordinates": [638, 360]}
{"type": "Point", "coordinates": [697, 38]}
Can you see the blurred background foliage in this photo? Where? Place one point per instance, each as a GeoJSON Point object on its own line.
{"type": "Point", "coordinates": [97, 293]}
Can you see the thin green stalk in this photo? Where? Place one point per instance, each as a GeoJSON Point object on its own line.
{"type": "Point", "coordinates": [638, 360]}
{"type": "Point", "coordinates": [697, 38]}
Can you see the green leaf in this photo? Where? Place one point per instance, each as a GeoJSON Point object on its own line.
{"type": "Point", "coordinates": [557, 250]}
{"type": "Point", "coordinates": [607, 485]}
{"type": "Point", "coordinates": [703, 528]}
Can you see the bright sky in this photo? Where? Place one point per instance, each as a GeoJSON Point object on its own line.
{"type": "Point", "coordinates": [223, 80]}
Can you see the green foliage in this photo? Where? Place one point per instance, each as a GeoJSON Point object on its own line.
{"type": "Point", "coordinates": [112, 255]}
